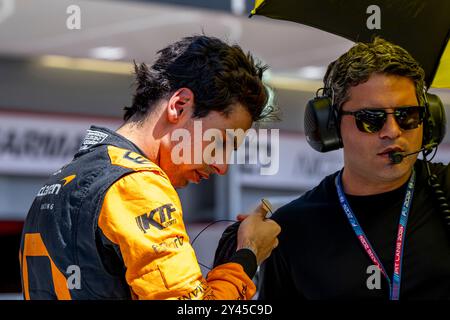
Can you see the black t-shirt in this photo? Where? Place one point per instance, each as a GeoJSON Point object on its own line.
{"type": "Point", "coordinates": [320, 257]}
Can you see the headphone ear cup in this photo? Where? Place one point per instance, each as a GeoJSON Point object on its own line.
{"type": "Point", "coordinates": [435, 121]}
{"type": "Point", "coordinates": [321, 125]}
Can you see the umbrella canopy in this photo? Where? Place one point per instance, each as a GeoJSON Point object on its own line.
{"type": "Point", "coordinates": [420, 26]}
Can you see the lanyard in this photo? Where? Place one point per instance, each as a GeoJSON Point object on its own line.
{"type": "Point", "coordinates": [394, 285]}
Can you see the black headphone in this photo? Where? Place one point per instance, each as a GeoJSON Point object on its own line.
{"type": "Point", "coordinates": [322, 121]}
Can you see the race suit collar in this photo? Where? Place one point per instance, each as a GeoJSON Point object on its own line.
{"type": "Point", "coordinates": [98, 136]}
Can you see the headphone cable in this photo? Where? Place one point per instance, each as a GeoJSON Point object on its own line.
{"type": "Point", "coordinates": [204, 229]}
{"type": "Point", "coordinates": [439, 195]}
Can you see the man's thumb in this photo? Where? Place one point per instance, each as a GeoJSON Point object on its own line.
{"type": "Point", "coordinates": [261, 210]}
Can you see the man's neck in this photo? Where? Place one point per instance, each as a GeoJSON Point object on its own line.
{"type": "Point", "coordinates": [357, 185]}
{"type": "Point", "coordinates": [142, 137]}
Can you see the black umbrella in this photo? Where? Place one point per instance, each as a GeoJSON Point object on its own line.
{"type": "Point", "coordinates": [420, 26]}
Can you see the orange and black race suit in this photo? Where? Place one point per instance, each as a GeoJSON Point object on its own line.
{"type": "Point", "coordinates": [109, 225]}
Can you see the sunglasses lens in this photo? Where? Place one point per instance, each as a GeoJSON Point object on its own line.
{"type": "Point", "coordinates": [370, 121]}
{"type": "Point", "coordinates": [409, 118]}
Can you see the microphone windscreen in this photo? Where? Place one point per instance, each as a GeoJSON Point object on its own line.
{"type": "Point", "coordinates": [396, 157]}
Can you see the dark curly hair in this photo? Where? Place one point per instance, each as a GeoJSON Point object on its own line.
{"type": "Point", "coordinates": [218, 74]}
{"type": "Point", "coordinates": [364, 59]}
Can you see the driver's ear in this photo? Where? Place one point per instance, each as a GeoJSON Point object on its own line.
{"type": "Point", "coordinates": [180, 106]}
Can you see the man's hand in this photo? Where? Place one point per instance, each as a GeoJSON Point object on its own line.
{"type": "Point", "coordinates": [258, 234]}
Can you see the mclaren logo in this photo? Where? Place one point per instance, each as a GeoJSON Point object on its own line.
{"type": "Point", "coordinates": [68, 179]}
{"type": "Point", "coordinates": [55, 188]}
{"type": "Point", "coordinates": [165, 218]}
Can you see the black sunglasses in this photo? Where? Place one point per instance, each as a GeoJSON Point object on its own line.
{"type": "Point", "coordinates": [372, 120]}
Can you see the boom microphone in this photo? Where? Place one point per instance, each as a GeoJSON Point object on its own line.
{"type": "Point", "coordinates": [397, 157]}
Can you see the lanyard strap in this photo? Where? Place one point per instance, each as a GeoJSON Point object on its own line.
{"type": "Point", "coordinates": [394, 286]}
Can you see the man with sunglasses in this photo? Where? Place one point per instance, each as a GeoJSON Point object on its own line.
{"type": "Point", "coordinates": [370, 230]}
